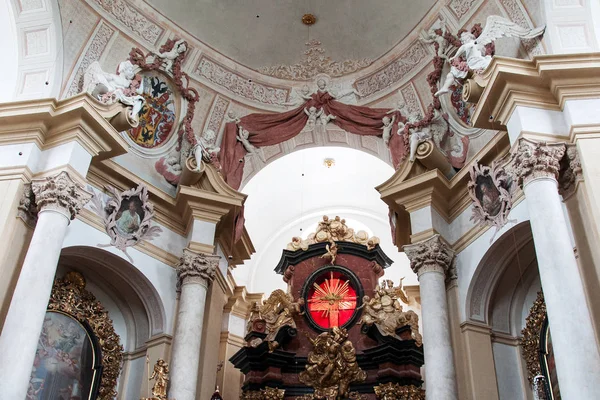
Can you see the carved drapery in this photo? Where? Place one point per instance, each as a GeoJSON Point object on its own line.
{"type": "Point", "coordinates": [531, 334]}
{"type": "Point", "coordinates": [70, 297]}
{"type": "Point", "coordinates": [431, 255]}
{"type": "Point", "coordinates": [196, 267]}
{"type": "Point", "coordinates": [533, 160]}
{"type": "Point", "coordinates": [60, 193]}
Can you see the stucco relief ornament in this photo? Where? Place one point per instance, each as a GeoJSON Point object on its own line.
{"type": "Point", "coordinates": [532, 160]}
{"type": "Point", "coordinates": [430, 255]}
{"type": "Point", "coordinates": [333, 230]}
{"type": "Point", "coordinates": [196, 267]}
{"type": "Point", "coordinates": [124, 86]}
{"type": "Point", "coordinates": [571, 172]}
{"type": "Point", "coordinates": [126, 217]}
{"type": "Point", "coordinates": [473, 50]}
{"type": "Point", "coordinates": [61, 193]}
{"type": "Point", "coordinates": [27, 209]}
{"type": "Point", "coordinates": [491, 190]}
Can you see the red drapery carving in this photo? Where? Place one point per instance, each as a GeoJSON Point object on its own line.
{"type": "Point", "coordinates": [271, 129]}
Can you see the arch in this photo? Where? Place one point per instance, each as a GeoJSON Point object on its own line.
{"type": "Point", "coordinates": [133, 293]}
{"type": "Point", "coordinates": [39, 39]}
{"type": "Point", "coordinates": [504, 253]}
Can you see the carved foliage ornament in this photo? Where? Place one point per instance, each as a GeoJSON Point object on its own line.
{"type": "Point", "coordinates": [126, 217]}
{"type": "Point", "coordinates": [60, 193]}
{"type": "Point", "coordinates": [70, 297]}
{"type": "Point", "coordinates": [533, 160]}
{"type": "Point", "coordinates": [393, 391]}
{"type": "Point", "coordinates": [491, 191]}
{"type": "Point", "coordinates": [530, 340]}
{"type": "Point", "coordinates": [267, 393]}
{"type": "Point", "coordinates": [430, 255]}
{"type": "Point", "coordinates": [196, 267]}
{"type": "Point", "coordinates": [571, 172]}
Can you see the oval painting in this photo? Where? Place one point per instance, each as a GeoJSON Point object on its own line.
{"type": "Point", "coordinates": [159, 115]}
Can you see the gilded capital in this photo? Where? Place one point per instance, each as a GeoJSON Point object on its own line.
{"type": "Point", "coordinates": [60, 193]}
{"type": "Point", "coordinates": [533, 160]}
{"type": "Point", "coordinates": [196, 267]}
{"type": "Point", "coordinates": [430, 255]}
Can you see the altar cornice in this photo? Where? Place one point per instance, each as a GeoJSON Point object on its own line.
{"type": "Point", "coordinates": [50, 122]}
{"type": "Point", "coordinates": [544, 82]}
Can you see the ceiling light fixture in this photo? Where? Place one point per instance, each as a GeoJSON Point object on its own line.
{"type": "Point", "coordinates": [329, 162]}
{"type": "Point", "coordinates": [308, 19]}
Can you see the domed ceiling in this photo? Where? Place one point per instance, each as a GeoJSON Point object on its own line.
{"type": "Point", "coordinates": [262, 33]}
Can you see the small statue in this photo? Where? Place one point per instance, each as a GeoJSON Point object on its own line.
{"type": "Point", "coordinates": [169, 57]}
{"type": "Point", "coordinates": [160, 374]}
{"type": "Point", "coordinates": [205, 148]}
{"type": "Point", "coordinates": [473, 49]}
{"type": "Point", "coordinates": [232, 117]}
{"type": "Point", "coordinates": [331, 253]}
{"type": "Point", "coordinates": [388, 125]}
{"type": "Point", "coordinates": [299, 97]}
{"type": "Point", "coordinates": [109, 88]}
{"type": "Point", "coordinates": [322, 88]}
{"type": "Point", "coordinates": [324, 118]}
{"type": "Point", "coordinates": [312, 114]}
{"type": "Point", "coordinates": [243, 136]}
{"type": "Point", "coordinates": [436, 36]}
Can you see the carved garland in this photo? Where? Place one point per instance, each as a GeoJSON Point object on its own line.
{"type": "Point", "coordinates": [181, 79]}
{"type": "Point", "coordinates": [70, 297]}
{"type": "Point", "coordinates": [110, 210]}
{"type": "Point", "coordinates": [530, 340]}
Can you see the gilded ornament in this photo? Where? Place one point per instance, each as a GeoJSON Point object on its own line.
{"type": "Point", "coordinates": [332, 366]}
{"type": "Point", "coordinates": [530, 340]}
{"type": "Point", "coordinates": [394, 391]}
{"type": "Point", "coordinates": [268, 393]}
{"type": "Point", "coordinates": [308, 19]}
{"type": "Point", "coordinates": [384, 311]}
{"type": "Point", "coordinates": [70, 297]}
{"type": "Point", "coordinates": [333, 230]}
{"type": "Point", "coordinates": [160, 374]}
{"type": "Point", "coordinates": [276, 312]}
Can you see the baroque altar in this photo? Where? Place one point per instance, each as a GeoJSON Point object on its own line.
{"type": "Point", "coordinates": [337, 333]}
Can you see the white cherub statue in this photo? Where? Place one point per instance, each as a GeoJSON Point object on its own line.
{"type": "Point", "coordinates": [322, 87]}
{"type": "Point", "coordinates": [313, 114]}
{"type": "Point", "coordinates": [388, 125]}
{"type": "Point", "coordinates": [232, 117]}
{"type": "Point", "coordinates": [417, 135]}
{"type": "Point", "coordinates": [442, 44]}
{"type": "Point", "coordinates": [324, 118]}
{"type": "Point", "coordinates": [243, 136]}
{"type": "Point", "coordinates": [473, 49]}
{"type": "Point", "coordinates": [108, 88]}
{"type": "Point", "coordinates": [169, 57]}
{"type": "Point", "coordinates": [205, 148]}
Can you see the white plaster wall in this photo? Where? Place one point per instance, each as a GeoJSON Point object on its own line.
{"type": "Point", "coordinates": [507, 361]}
{"type": "Point", "coordinates": [8, 48]}
{"type": "Point", "coordinates": [134, 383]}
{"type": "Point", "coordinates": [161, 276]}
{"type": "Point", "coordinates": [29, 155]}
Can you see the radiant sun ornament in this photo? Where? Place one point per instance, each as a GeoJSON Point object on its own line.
{"type": "Point", "coordinates": [332, 300]}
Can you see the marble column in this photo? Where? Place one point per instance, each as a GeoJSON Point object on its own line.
{"type": "Point", "coordinates": [536, 167]}
{"type": "Point", "coordinates": [195, 272]}
{"type": "Point", "coordinates": [431, 260]}
{"type": "Point", "coordinates": [58, 200]}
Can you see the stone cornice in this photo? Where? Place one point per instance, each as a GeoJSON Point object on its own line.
{"type": "Point", "coordinates": [51, 122]}
{"type": "Point", "coordinates": [544, 82]}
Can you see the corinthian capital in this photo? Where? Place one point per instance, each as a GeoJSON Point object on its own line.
{"type": "Point", "coordinates": [533, 160]}
{"type": "Point", "coordinates": [570, 172]}
{"type": "Point", "coordinates": [429, 255]}
{"type": "Point", "coordinates": [60, 193]}
{"type": "Point", "coordinates": [196, 267]}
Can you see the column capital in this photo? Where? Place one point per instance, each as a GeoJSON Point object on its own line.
{"type": "Point", "coordinates": [535, 160]}
{"type": "Point", "coordinates": [196, 268]}
{"type": "Point", "coordinates": [571, 172]}
{"type": "Point", "coordinates": [60, 193]}
{"type": "Point", "coordinates": [430, 255]}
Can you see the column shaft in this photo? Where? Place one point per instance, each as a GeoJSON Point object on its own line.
{"type": "Point", "coordinates": [573, 339]}
{"type": "Point", "coordinates": [185, 357]}
{"type": "Point", "coordinates": [440, 375]}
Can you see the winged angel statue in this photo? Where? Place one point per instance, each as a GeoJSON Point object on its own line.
{"type": "Point", "coordinates": [473, 50]}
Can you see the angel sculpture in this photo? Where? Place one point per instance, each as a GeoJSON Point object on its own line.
{"type": "Point", "coordinates": [417, 135]}
{"type": "Point", "coordinates": [473, 48]}
{"type": "Point", "coordinates": [443, 46]}
{"type": "Point", "coordinates": [242, 136]}
{"type": "Point", "coordinates": [232, 117]}
{"type": "Point", "coordinates": [109, 88]}
{"type": "Point", "coordinates": [312, 114]}
{"type": "Point", "coordinates": [322, 88]}
{"type": "Point", "coordinates": [169, 57]}
{"type": "Point", "coordinates": [332, 251]}
{"type": "Point", "coordinates": [388, 125]}
{"type": "Point", "coordinates": [324, 120]}
{"type": "Point", "coordinates": [205, 148]}
{"type": "Point", "coordinates": [299, 96]}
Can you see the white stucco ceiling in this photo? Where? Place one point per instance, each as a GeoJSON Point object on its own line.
{"type": "Point", "coordinates": [289, 196]}
{"type": "Point", "coordinates": [260, 33]}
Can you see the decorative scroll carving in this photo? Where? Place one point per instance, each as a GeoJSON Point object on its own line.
{"type": "Point", "coordinates": [385, 311]}
{"type": "Point", "coordinates": [534, 160]}
{"type": "Point", "coordinates": [132, 18]}
{"type": "Point", "coordinates": [491, 190]}
{"type": "Point", "coordinates": [219, 75]}
{"type": "Point", "coordinates": [331, 366]}
{"type": "Point", "coordinates": [393, 72]}
{"type": "Point", "coordinates": [333, 230]}
{"type": "Point", "coordinates": [70, 297]}
{"type": "Point", "coordinates": [218, 114]}
{"type": "Point", "coordinates": [127, 217]}
{"type": "Point", "coordinates": [196, 267]}
{"type": "Point", "coordinates": [267, 393]}
{"type": "Point", "coordinates": [393, 391]}
{"type": "Point", "coordinates": [315, 62]}
{"type": "Point", "coordinates": [275, 313]}
{"type": "Point", "coordinates": [430, 255]}
{"type": "Point", "coordinates": [570, 173]}
{"type": "Point", "coordinates": [27, 209]}
{"type": "Point", "coordinates": [60, 193]}
{"type": "Point", "coordinates": [530, 340]}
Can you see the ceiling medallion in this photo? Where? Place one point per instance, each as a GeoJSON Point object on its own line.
{"type": "Point", "coordinates": [329, 162]}
{"type": "Point", "coordinates": [308, 19]}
